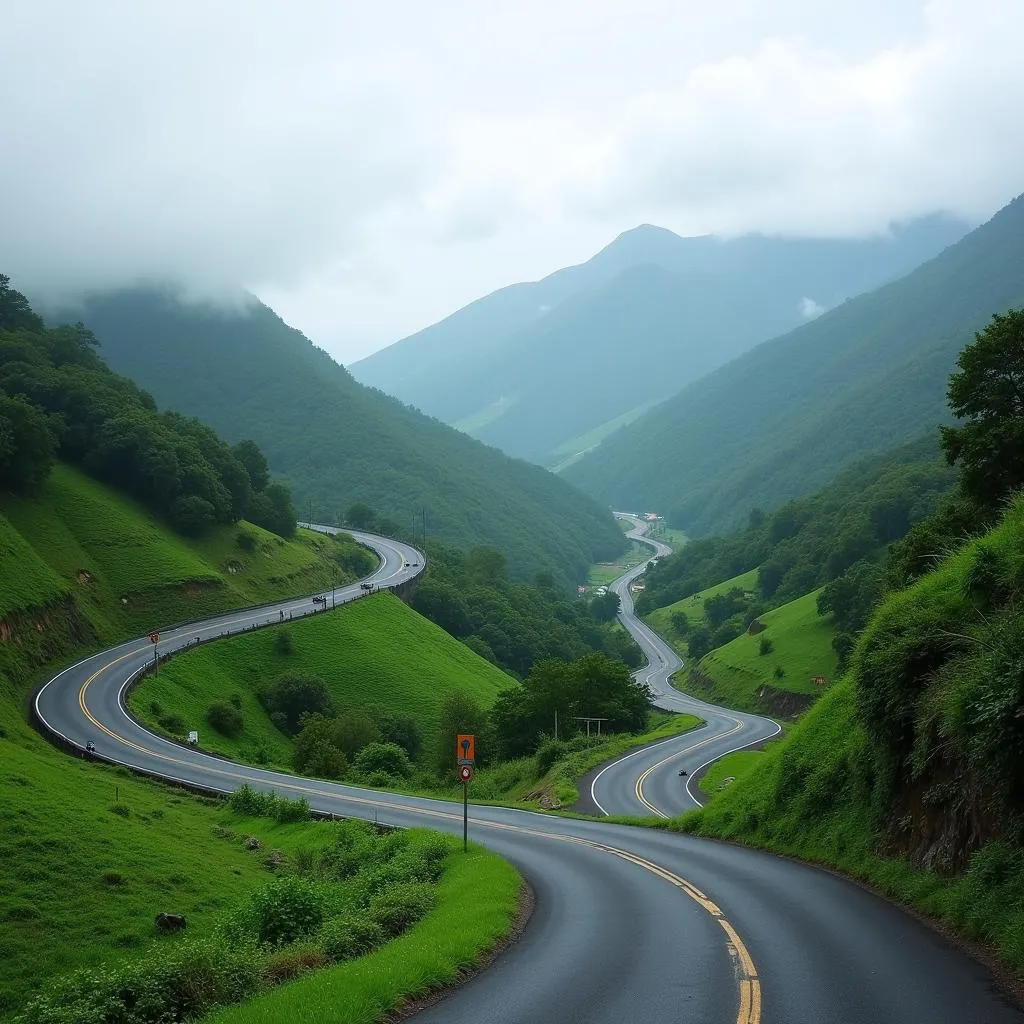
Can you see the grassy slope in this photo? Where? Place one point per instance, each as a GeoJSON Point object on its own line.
{"type": "Point", "coordinates": [693, 607]}
{"type": "Point", "coordinates": [82, 883]}
{"type": "Point", "coordinates": [28, 580]}
{"type": "Point", "coordinates": [56, 911]}
{"type": "Point", "coordinates": [78, 526]}
{"type": "Point", "coordinates": [376, 653]}
{"type": "Point", "coordinates": [731, 767]}
{"type": "Point", "coordinates": [815, 796]}
{"type": "Point", "coordinates": [803, 649]}
{"type": "Point", "coordinates": [477, 900]}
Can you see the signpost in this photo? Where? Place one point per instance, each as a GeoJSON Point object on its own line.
{"type": "Point", "coordinates": [154, 639]}
{"type": "Point", "coordinates": [465, 751]}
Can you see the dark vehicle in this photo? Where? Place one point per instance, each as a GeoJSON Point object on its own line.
{"type": "Point", "coordinates": [683, 771]}
{"type": "Point", "coordinates": [366, 586]}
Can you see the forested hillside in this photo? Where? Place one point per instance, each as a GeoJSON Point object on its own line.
{"type": "Point", "coordinates": [908, 772]}
{"type": "Point", "coordinates": [542, 370]}
{"type": "Point", "coordinates": [337, 442]}
{"type": "Point", "coordinates": [781, 420]}
{"type": "Point", "coordinates": [58, 398]}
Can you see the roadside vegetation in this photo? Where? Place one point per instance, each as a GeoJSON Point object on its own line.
{"type": "Point", "coordinates": [344, 892]}
{"type": "Point", "coordinates": [907, 772]}
{"type": "Point", "coordinates": [374, 662]}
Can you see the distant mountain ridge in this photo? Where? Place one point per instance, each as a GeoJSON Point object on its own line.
{"type": "Point", "coordinates": [337, 442]}
{"type": "Point", "coordinates": [784, 418]}
{"type": "Point", "coordinates": [536, 368]}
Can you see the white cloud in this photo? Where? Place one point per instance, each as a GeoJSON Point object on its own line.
{"type": "Point", "coordinates": [809, 309]}
{"type": "Point", "coordinates": [368, 168]}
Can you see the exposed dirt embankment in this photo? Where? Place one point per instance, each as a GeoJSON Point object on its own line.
{"type": "Point", "coordinates": [41, 633]}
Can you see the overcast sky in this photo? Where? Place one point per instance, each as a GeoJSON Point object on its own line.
{"type": "Point", "coordinates": [367, 168]}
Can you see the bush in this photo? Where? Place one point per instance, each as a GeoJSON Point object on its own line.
{"type": "Point", "coordinates": [780, 672]}
{"type": "Point", "coordinates": [173, 982]}
{"type": "Point", "coordinates": [174, 724]}
{"type": "Point", "coordinates": [287, 909]}
{"type": "Point", "coordinates": [247, 800]}
{"type": "Point", "coordinates": [283, 642]}
{"type": "Point", "coordinates": [226, 719]}
{"type": "Point", "coordinates": [344, 938]}
{"type": "Point", "coordinates": [548, 753]}
{"type": "Point", "coordinates": [401, 906]}
{"type": "Point", "coordinates": [388, 758]}
{"type": "Point", "coordinates": [235, 700]}
{"type": "Point", "coordinates": [291, 963]}
{"type": "Point", "coordinates": [293, 696]}
{"type": "Point", "coordinates": [765, 646]}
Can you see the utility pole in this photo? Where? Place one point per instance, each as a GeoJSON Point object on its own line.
{"type": "Point", "coordinates": [424, 525]}
{"type": "Point", "coordinates": [310, 511]}
{"type": "Point", "coordinates": [556, 723]}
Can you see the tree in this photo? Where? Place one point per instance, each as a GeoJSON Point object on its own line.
{"type": "Point", "coordinates": [249, 455]}
{"type": "Point", "coordinates": [293, 696]}
{"type": "Point", "coordinates": [361, 516]}
{"type": "Point", "coordinates": [987, 393]}
{"type": "Point", "coordinates": [15, 312]}
{"type": "Point", "coordinates": [605, 607]}
{"type": "Point", "coordinates": [402, 730]}
{"type": "Point", "coordinates": [315, 750]}
{"type": "Point", "coordinates": [27, 445]}
{"type": "Point", "coordinates": [386, 758]}
{"type": "Point", "coordinates": [353, 731]}
{"type": "Point", "coordinates": [460, 713]}
{"type": "Point", "coordinates": [225, 718]}
{"type": "Point", "coordinates": [699, 643]}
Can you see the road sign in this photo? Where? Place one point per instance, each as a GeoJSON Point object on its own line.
{"type": "Point", "coordinates": [466, 772]}
{"type": "Point", "coordinates": [154, 638]}
{"type": "Point", "coordinates": [465, 747]}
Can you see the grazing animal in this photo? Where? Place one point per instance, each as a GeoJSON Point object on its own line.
{"type": "Point", "coordinates": [170, 922]}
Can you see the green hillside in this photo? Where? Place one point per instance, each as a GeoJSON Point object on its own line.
{"type": "Point", "coordinates": [535, 366]}
{"type": "Point", "coordinates": [738, 675]}
{"type": "Point", "coordinates": [907, 772]}
{"type": "Point", "coordinates": [81, 879]}
{"type": "Point", "coordinates": [376, 655]}
{"type": "Point", "coordinates": [782, 419]}
{"type": "Point", "coordinates": [125, 571]}
{"type": "Point", "coordinates": [337, 442]}
{"type": "Point", "coordinates": [692, 608]}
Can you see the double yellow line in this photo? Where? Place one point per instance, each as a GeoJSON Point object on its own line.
{"type": "Point", "coordinates": [639, 788]}
{"type": "Point", "coordinates": [748, 983]}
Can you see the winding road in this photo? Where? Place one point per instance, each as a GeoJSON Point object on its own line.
{"type": "Point", "coordinates": [631, 924]}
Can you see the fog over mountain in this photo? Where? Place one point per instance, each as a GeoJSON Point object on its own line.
{"type": "Point", "coordinates": [367, 170]}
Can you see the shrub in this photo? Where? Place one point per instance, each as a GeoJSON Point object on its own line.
{"type": "Point", "coordinates": [401, 906]}
{"type": "Point", "coordinates": [388, 758]}
{"type": "Point", "coordinates": [780, 672]}
{"type": "Point", "coordinates": [235, 700]}
{"type": "Point", "coordinates": [293, 696]}
{"type": "Point", "coordinates": [174, 724]}
{"type": "Point", "coordinates": [290, 963]}
{"type": "Point", "coordinates": [283, 642]}
{"type": "Point", "coordinates": [344, 938]}
{"type": "Point", "coordinates": [548, 753]}
{"type": "Point", "coordinates": [246, 800]}
{"type": "Point", "coordinates": [287, 909]}
{"type": "Point", "coordinates": [226, 719]}
{"type": "Point", "coordinates": [122, 810]}
{"type": "Point", "coordinates": [765, 646]}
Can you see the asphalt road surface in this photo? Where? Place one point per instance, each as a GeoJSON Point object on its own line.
{"type": "Point", "coordinates": [631, 924]}
{"type": "Point", "coordinates": [647, 782]}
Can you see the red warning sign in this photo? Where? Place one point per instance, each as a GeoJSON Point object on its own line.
{"type": "Point", "coordinates": [466, 772]}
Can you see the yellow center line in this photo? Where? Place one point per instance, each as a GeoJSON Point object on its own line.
{"type": "Point", "coordinates": [749, 986]}
{"type": "Point", "coordinates": [639, 788]}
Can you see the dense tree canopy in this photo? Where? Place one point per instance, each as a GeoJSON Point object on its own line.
{"type": "Point", "coordinates": [59, 399]}
{"type": "Point", "coordinates": [513, 625]}
{"type": "Point", "coordinates": [987, 394]}
{"type": "Point", "coordinates": [812, 540]}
